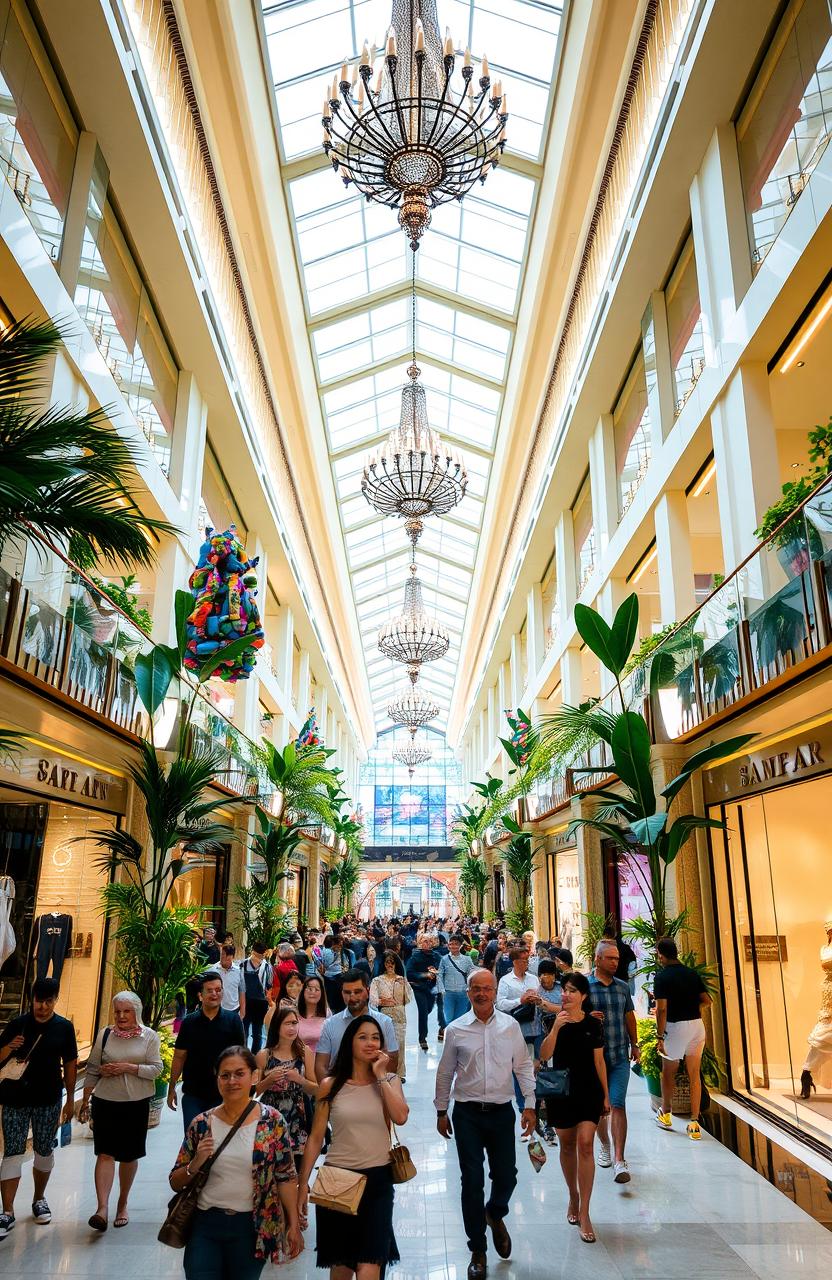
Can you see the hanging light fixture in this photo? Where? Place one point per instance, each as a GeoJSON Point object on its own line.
{"type": "Point", "coordinates": [414, 474]}
{"type": "Point", "coordinates": [413, 637]}
{"type": "Point", "coordinates": [412, 756]}
{"type": "Point", "coordinates": [413, 141]}
{"type": "Point", "coordinates": [413, 709]}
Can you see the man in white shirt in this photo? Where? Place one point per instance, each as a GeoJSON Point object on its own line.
{"type": "Point", "coordinates": [518, 993]}
{"type": "Point", "coordinates": [482, 1050]}
{"type": "Point", "coordinates": [233, 982]}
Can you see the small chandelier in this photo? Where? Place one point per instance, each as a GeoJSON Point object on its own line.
{"type": "Point", "coordinates": [412, 756]}
{"type": "Point", "coordinates": [413, 142]}
{"type": "Point", "coordinates": [412, 709]}
{"type": "Point", "coordinates": [414, 474]}
{"type": "Point", "coordinates": [413, 637]}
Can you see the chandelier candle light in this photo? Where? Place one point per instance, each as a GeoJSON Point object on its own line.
{"type": "Point", "coordinates": [412, 756]}
{"type": "Point", "coordinates": [413, 637]}
{"type": "Point", "coordinates": [413, 709]}
{"type": "Point", "coordinates": [412, 141]}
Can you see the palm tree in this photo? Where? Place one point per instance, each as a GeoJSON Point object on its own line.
{"type": "Point", "coordinates": [303, 779]}
{"type": "Point", "coordinates": [63, 474]}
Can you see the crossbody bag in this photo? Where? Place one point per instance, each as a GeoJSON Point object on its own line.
{"type": "Point", "coordinates": [15, 1068]}
{"type": "Point", "coordinates": [179, 1223]}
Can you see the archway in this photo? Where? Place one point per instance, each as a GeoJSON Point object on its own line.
{"type": "Point", "coordinates": [396, 892]}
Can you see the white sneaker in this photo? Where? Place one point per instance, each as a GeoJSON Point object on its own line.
{"type": "Point", "coordinates": [621, 1173]}
{"type": "Point", "coordinates": [6, 1224]}
{"type": "Point", "coordinates": [663, 1119]}
{"type": "Point", "coordinates": [604, 1157]}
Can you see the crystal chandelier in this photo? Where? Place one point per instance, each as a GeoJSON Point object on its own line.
{"type": "Point", "coordinates": [414, 474]}
{"type": "Point", "coordinates": [412, 709]}
{"type": "Point", "coordinates": [412, 756]}
{"type": "Point", "coordinates": [413, 637]}
{"type": "Point", "coordinates": [412, 141]}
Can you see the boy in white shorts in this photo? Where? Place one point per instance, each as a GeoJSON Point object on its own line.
{"type": "Point", "coordinates": [680, 999]}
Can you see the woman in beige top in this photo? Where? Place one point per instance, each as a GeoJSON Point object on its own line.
{"type": "Point", "coordinates": [120, 1079]}
{"type": "Point", "coordinates": [391, 993]}
{"type": "Point", "coordinates": [357, 1100]}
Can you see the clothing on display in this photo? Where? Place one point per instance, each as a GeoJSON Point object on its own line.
{"type": "Point", "coordinates": [8, 942]}
{"type": "Point", "coordinates": [818, 1064]}
{"type": "Point", "coordinates": [53, 932]}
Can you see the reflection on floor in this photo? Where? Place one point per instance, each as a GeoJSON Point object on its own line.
{"type": "Point", "coordinates": [691, 1209]}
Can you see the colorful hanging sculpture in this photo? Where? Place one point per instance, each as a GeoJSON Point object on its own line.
{"type": "Point", "coordinates": [521, 731]}
{"type": "Point", "coordinates": [310, 734]}
{"type": "Point", "coordinates": [223, 585]}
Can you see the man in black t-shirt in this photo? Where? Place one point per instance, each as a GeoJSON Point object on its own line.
{"type": "Point", "coordinates": [680, 998]}
{"type": "Point", "coordinates": [200, 1040]}
{"type": "Point", "coordinates": [45, 1042]}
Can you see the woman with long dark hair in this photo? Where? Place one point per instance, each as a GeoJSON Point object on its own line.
{"type": "Point", "coordinates": [312, 1012]}
{"type": "Point", "coordinates": [357, 1100]}
{"type": "Point", "coordinates": [287, 1076]}
{"type": "Point", "coordinates": [576, 1043]}
{"type": "Point", "coordinates": [391, 993]}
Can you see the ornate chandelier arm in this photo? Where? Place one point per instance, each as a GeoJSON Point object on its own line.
{"type": "Point", "coordinates": [442, 101]}
{"type": "Point", "coordinates": [346, 93]}
{"type": "Point", "coordinates": [472, 127]}
{"type": "Point", "coordinates": [471, 123]}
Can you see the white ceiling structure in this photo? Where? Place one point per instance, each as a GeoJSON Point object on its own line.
{"type": "Point", "coordinates": [354, 264]}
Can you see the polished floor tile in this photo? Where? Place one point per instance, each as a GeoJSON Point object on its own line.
{"type": "Point", "coordinates": [690, 1210]}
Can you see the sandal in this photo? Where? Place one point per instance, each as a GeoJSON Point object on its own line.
{"type": "Point", "coordinates": [121, 1220]}
{"type": "Point", "coordinates": [588, 1237]}
{"type": "Point", "coordinates": [97, 1222]}
{"type": "Point", "coordinates": [572, 1218]}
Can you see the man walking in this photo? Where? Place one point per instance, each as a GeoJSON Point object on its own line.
{"type": "Point", "coordinates": [355, 989]}
{"type": "Point", "coordinates": [680, 999]}
{"type": "Point", "coordinates": [258, 976]}
{"type": "Point", "coordinates": [482, 1050]}
{"type": "Point", "coordinates": [518, 994]}
{"type": "Point", "coordinates": [201, 1038]}
{"type": "Point", "coordinates": [46, 1043]}
{"type": "Point", "coordinates": [452, 979]}
{"type": "Point", "coordinates": [421, 971]}
{"type": "Point", "coordinates": [233, 983]}
{"type": "Point", "coordinates": [611, 996]}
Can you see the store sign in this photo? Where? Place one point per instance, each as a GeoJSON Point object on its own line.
{"type": "Point", "coordinates": [62, 777]}
{"type": "Point", "coordinates": [558, 840]}
{"type": "Point", "coordinates": [795, 758]}
{"type": "Point", "coordinates": [768, 947]}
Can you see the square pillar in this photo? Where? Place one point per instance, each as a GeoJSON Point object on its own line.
{"type": "Point", "coordinates": [603, 481]}
{"type": "Point", "coordinates": [284, 649]}
{"type": "Point", "coordinates": [88, 160]}
{"type": "Point", "coordinates": [303, 684]}
{"type": "Point", "coordinates": [658, 370]}
{"type": "Point", "coordinates": [674, 557]}
{"type": "Point", "coordinates": [566, 571]}
{"type": "Point", "coordinates": [612, 594]}
{"type": "Point", "coordinates": [747, 464]}
{"type": "Point", "coordinates": [535, 633]}
{"type": "Point", "coordinates": [571, 681]}
{"type": "Point", "coordinates": [720, 235]}
{"type": "Point", "coordinates": [516, 665]}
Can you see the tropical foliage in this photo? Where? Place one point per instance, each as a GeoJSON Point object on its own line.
{"type": "Point", "coordinates": [64, 475]}
{"type": "Point", "coordinates": [519, 858]}
{"type": "Point", "coordinates": [261, 904]}
{"type": "Point", "coordinates": [794, 492]}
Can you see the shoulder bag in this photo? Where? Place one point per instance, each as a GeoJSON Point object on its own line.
{"type": "Point", "coordinates": [15, 1068]}
{"type": "Point", "coordinates": [338, 1189]}
{"type": "Point", "coordinates": [178, 1225]}
{"type": "Point", "coordinates": [402, 1168]}
{"type": "Point", "coordinates": [552, 1082]}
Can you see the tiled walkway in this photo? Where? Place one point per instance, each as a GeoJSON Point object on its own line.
{"type": "Point", "coordinates": [690, 1210]}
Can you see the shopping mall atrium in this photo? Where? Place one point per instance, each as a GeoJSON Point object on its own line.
{"type": "Point", "coordinates": [413, 439]}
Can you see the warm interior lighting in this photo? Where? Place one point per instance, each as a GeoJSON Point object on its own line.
{"type": "Point", "coordinates": [640, 571]}
{"type": "Point", "coordinates": [705, 479]}
{"type": "Point", "coordinates": [807, 335]}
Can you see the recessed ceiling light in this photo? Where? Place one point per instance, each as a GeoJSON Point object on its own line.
{"type": "Point", "coordinates": [801, 364]}
{"type": "Point", "coordinates": [795, 465]}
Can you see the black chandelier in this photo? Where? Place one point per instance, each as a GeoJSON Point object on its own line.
{"type": "Point", "coordinates": [412, 141]}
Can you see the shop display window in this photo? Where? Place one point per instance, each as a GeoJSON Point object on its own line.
{"type": "Point", "coordinates": [774, 898]}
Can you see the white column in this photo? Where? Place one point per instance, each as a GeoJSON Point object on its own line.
{"type": "Point", "coordinates": [504, 700]}
{"type": "Point", "coordinates": [322, 711]}
{"type": "Point", "coordinates": [603, 481]}
{"type": "Point", "coordinates": [661, 393]}
{"type": "Point", "coordinates": [493, 716]}
{"type": "Point", "coordinates": [535, 633]}
{"type": "Point", "coordinates": [571, 680]}
{"type": "Point", "coordinates": [303, 684]}
{"type": "Point", "coordinates": [674, 560]}
{"type": "Point", "coordinates": [284, 649]}
{"type": "Point", "coordinates": [485, 742]}
{"type": "Point", "coordinates": [720, 235]}
{"type": "Point", "coordinates": [173, 568]}
{"type": "Point", "coordinates": [747, 465]}
{"type": "Point", "coordinates": [516, 664]}
{"type": "Point", "coordinates": [69, 262]}
{"type": "Point", "coordinates": [567, 574]}
{"type": "Point", "coordinates": [611, 595]}
{"type": "Point", "coordinates": [187, 450]}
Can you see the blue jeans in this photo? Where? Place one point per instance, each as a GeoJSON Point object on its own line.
{"type": "Point", "coordinates": [192, 1107]}
{"type": "Point", "coordinates": [456, 1003]}
{"type": "Point", "coordinates": [424, 1003]}
{"type": "Point", "coordinates": [221, 1247]}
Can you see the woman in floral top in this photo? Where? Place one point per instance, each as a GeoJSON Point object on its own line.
{"type": "Point", "coordinates": [287, 1077]}
{"type": "Point", "coordinates": [247, 1211]}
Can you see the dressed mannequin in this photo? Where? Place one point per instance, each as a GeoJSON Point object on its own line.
{"type": "Point", "coordinates": [819, 1057]}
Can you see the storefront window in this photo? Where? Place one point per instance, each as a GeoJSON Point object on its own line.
{"type": "Point", "coordinates": [205, 886]}
{"type": "Point", "coordinates": [116, 307]}
{"type": "Point", "coordinates": [775, 929]}
{"type": "Point", "coordinates": [37, 137]}
{"type": "Point", "coordinates": [784, 126]}
{"type": "Point", "coordinates": [631, 433]}
{"type": "Point", "coordinates": [684, 325]}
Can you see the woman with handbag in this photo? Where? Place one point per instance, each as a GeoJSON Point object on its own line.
{"type": "Point", "coordinates": [247, 1207]}
{"type": "Point", "coordinates": [576, 1094]}
{"type": "Point", "coordinates": [391, 993]}
{"type": "Point", "coordinates": [287, 1076]}
{"type": "Point", "coordinates": [359, 1100]}
{"type": "Point", "coordinates": [119, 1081]}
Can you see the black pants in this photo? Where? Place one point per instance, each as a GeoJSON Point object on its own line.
{"type": "Point", "coordinates": [479, 1134]}
{"type": "Point", "coordinates": [256, 1011]}
{"type": "Point", "coordinates": [333, 994]}
{"type": "Point", "coordinates": [424, 1004]}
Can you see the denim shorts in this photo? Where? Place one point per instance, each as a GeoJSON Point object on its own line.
{"type": "Point", "coordinates": [618, 1078]}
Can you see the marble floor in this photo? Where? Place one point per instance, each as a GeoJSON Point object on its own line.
{"type": "Point", "coordinates": [691, 1209]}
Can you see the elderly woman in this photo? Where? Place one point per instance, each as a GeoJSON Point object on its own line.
{"type": "Point", "coordinates": [120, 1080]}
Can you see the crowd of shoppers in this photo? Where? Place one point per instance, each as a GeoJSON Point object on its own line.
{"type": "Point", "coordinates": [329, 1079]}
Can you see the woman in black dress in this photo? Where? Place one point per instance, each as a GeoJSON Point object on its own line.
{"type": "Point", "coordinates": [356, 1099]}
{"type": "Point", "coordinates": [576, 1042]}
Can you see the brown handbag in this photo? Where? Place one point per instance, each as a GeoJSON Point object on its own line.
{"type": "Point", "coordinates": [176, 1229]}
{"type": "Point", "coordinates": [338, 1189]}
{"type": "Point", "coordinates": [402, 1168]}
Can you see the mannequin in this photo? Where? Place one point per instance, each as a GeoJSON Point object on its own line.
{"type": "Point", "coordinates": [819, 1057]}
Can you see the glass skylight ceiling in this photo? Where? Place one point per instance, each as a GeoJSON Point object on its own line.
{"type": "Point", "coordinates": [354, 264]}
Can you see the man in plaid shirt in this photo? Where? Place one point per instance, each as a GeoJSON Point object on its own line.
{"type": "Point", "coordinates": [611, 997]}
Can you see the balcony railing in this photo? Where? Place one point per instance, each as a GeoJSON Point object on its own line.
{"type": "Point", "coordinates": [72, 638]}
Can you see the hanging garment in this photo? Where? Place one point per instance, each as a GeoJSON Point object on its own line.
{"type": "Point", "coordinates": [54, 931]}
{"type": "Point", "coordinates": [8, 942]}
